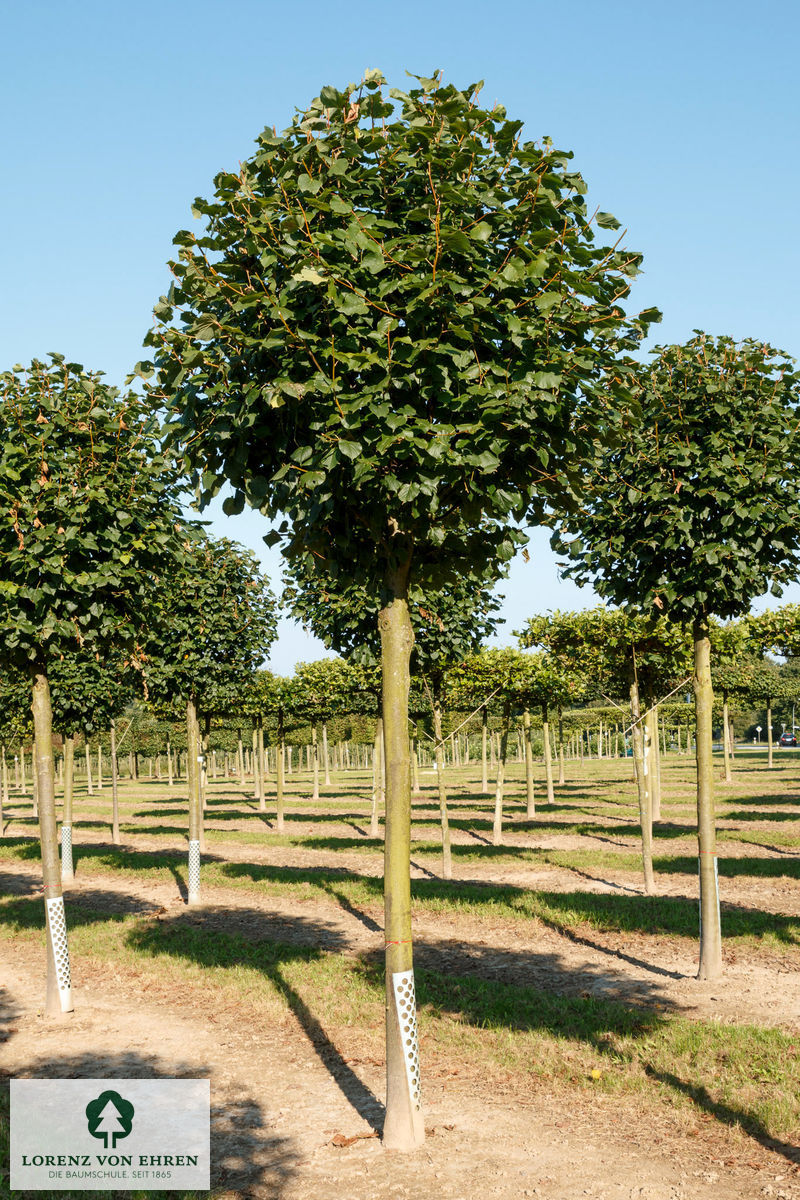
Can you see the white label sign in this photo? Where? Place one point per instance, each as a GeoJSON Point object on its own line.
{"type": "Point", "coordinates": [110, 1134]}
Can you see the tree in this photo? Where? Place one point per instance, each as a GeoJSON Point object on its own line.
{"type": "Point", "coordinates": [88, 692]}
{"type": "Point", "coordinates": [693, 516]}
{"type": "Point", "coordinates": [382, 338]}
{"type": "Point", "coordinates": [447, 623]}
{"type": "Point", "coordinates": [91, 511]}
{"type": "Point", "coordinates": [216, 622]}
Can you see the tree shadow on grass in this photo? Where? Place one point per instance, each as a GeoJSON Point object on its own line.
{"type": "Point", "coordinates": [730, 867]}
{"type": "Point", "coordinates": [203, 938]}
{"type": "Point", "coordinates": [244, 1154]}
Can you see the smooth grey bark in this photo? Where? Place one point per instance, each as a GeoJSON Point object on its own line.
{"type": "Point", "coordinates": [58, 999]}
{"type": "Point", "coordinates": [710, 932]}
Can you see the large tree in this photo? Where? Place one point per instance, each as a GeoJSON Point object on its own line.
{"type": "Point", "coordinates": [694, 515]}
{"type": "Point", "coordinates": [89, 508]}
{"type": "Point", "coordinates": [395, 334]}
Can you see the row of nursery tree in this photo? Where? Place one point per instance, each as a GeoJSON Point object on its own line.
{"type": "Point", "coordinates": [399, 335]}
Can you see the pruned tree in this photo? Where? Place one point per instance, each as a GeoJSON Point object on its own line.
{"type": "Point", "coordinates": [694, 515]}
{"type": "Point", "coordinates": [91, 511]}
{"type": "Point", "coordinates": [382, 338]}
{"type": "Point", "coordinates": [216, 620]}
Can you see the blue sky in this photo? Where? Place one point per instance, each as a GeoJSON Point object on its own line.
{"type": "Point", "coordinates": [113, 117]}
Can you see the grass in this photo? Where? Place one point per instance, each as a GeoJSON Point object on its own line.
{"type": "Point", "coordinates": [740, 1075]}
{"type": "Point", "coordinates": [563, 911]}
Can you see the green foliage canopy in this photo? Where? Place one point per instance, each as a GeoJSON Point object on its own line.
{"type": "Point", "coordinates": [393, 330]}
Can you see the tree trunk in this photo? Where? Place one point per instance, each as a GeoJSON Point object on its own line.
{"type": "Point", "coordinates": [67, 866]}
{"type": "Point", "coordinates": [169, 764]}
{"type": "Point", "coordinates": [195, 809]}
{"type": "Point", "coordinates": [59, 985]}
{"type": "Point", "coordinates": [710, 930]}
{"type": "Point", "coordinates": [561, 776]}
{"type": "Point", "coordinates": [769, 732]}
{"type": "Point", "coordinates": [447, 860]}
{"type": "Point", "coordinates": [240, 759]}
{"type": "Point", "coordinates": [315, 761]}
{"type": "Point", "coordinates": [403, 1128]}
{"type": "Point", "coordinates": [89, 787]}
{"type": "Point", "coordinates": [35, 781]}
{"type": "Point", "coordinates": [326, 762]}
{"type": "Point", "coordinates": [484, 770]}
{"type": "Point", "coordinates": [254, 762]}
{"type": "Point", "coordinates": [378, 779]}
{"type": "Point", "coordinates": [497, 824]}
{"type": "Point", "coordinates": [3, 789]}
{"type": "Point", "coordinates": [726, 740]}
{"type": "Point", "coordinates": [530, 810]}
{"type": "Point", "coordinates": [548, 756]}
{"type": "Point", "coordinates": [651, 763]}
{"type": "Point", "coordinates": [279, 774]}
{"type": "Point", "coordinates": [415, 763]}
{"type": "Point", "coordinates": [639, 767]}
{"type": "Point", "coordinates": [114, 787]}
{"type": "Point", "coordinates": [261, 768]}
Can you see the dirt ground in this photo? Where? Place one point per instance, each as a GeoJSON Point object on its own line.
{"type": "Point", "coordinates": [296, 1110]}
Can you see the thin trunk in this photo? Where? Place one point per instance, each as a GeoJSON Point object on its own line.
{"type": "Point", "coordinates": [315, 761]}
{"type": "Point", "coordinates": [731, 739]}
{"type": "Point", "coordinates": [548, 756]}
{"type": "Point", "coordinates": [3, 791]}
{"type": "Point", "coordinates": [652, 762]}
{"type": "Point", "coordinates": [404, 1128]}
{"type": "Point", "coordinates": [497, 824]}
{"type": "Point", "coordinates": [262, 773]}
{"type": "Point", "coordinates": [640, 768]}
{"type": "Point", "coordinates": [447, 860]}
{"type": "Point", "coordinates": [484, 768]}
{"type": "Point", "coordinates": [415, 763]}
{"type": "Point", "coordinates": [240, 759]}
{"type": "Point", "coordinates": [710, 930]}
{"type": "Point", "coordinates": [195, 810]}
{"type": "Point", "coordinates": [89, 787]}
{"type": "Point", "coordinates": [169, 765]}
{"type": "Point", "coordinates": [657, 775]}
{"type": "Point", "coordinates": [561, 776]}
{"type": "Point", "coordinates": [279, 775]}
{"type": "Point", "coordinates": [59, 986]}
{"type": "Point", "coordinates": [67, 866]}
{"type": "Point", "coordinates": [257, 795]}
{"type": "Point", "coordinates": [326, 762]}
{"type": "Point", "coordinates": [726, 740]}
{"type": "Point", "coordinates": [35, 780]}
{"type": "Point", "coordinates": [99, 766]}
{"type": "Point", "coordinates": [378, 779]}
{"type": "Point", "coordinates": [530, 811]}
{"type": "Point", "coordinates": [114, 784]}
{"type": "Point", "coordinates": [769, 732]}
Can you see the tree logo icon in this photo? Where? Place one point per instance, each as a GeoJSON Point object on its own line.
{"type": "Point", "coordinates": [109, 1117]}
